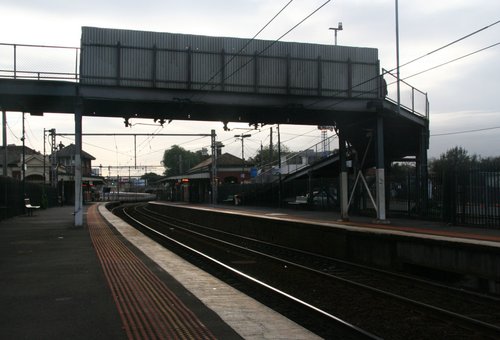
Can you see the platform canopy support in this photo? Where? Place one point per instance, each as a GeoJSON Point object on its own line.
{"type": "Point", "coordinates": [78, 166]}
{"type": "Point", "coordinates": [380, 170]}
{"type": "Point", "coordinates": [422, 172]}
{"type": "Point", "coordinates": [344, 189]}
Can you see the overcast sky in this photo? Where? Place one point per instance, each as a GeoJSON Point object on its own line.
{"type": "Point", "coordinates": [464, 95]}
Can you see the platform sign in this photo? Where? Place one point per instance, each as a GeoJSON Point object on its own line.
{"type": "Point", "coordinates": [253, 172]}
{"type": "Point", "coordinates": [326, 127]}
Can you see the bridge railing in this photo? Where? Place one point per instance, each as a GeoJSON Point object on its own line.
{"type": "Point", "coordinates": [43, 62]}
{"type": "Point", "coordinates": [294, 161]}
{"type": "Point", "coordinates": [39, 62]}
{"type": "Point", "coordinates": [411, 98]}
{"type": "Point", "coordinates": [188, 68]}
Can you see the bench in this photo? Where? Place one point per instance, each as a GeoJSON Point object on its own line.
{"type": "Point", "coordinates": [300, 201]}
{"type": "Point", "coordinates": [229, 199]}
{"type": "Point", "coordinates": [29, 207]}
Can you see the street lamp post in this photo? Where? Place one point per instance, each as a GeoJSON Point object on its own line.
{"type": "Point", "coordinates": [338, 28]}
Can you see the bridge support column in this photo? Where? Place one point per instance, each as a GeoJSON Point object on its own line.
{"type": "Point", "coordinates": [380, 171]}
{"type": "Point", "coordinates": [4, 134]}
{"type": "Point", "coordinates": [78, 166]}
{"type": "Point", "coordinates": [344, 188]}
{"type": "Point", "coordinates": [422, 172]}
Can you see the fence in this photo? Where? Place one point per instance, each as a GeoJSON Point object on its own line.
{"type": "Point", "coordinates": [39, 62]}
{"type": "Point", "coordinates": [12, 196]}
{"type": "Point", "coordinates": [459, 196]}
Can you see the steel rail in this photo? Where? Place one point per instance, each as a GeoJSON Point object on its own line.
{"type": "Point", "coordinates": [471, 294]}
{"type": "Point", "coordinates": [486, 327]}
{"type": "Point", "coordinates": [254, 280]}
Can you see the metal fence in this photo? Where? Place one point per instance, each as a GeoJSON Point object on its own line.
{"type": "Point", "coordinates": [12, 196]}
{"type": "Point", "coordinates": [469, 197]}
{"type": "Point", "coordinates": [459, 196]}
{"type": "Point", "coordinates": [43, 62]}
{"type": "Point", "coordinates": [39, 62]}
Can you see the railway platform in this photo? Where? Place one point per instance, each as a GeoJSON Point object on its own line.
{"type": "Point", "coordinates": [467, 256]}
{"type": "Point", "coordinates": [108, 281]}
{"type": "Point", "coordinates": [393, 225]}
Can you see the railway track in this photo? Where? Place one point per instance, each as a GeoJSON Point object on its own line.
{"type": "Point", "coordinates": [385, 304]}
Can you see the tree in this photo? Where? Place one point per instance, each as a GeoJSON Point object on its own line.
{"type": "Point", "coordinates": [453, 159]}
{"type": "Point", "coordinates": [151, 177]}
{"type": "Point", "coordinates": [266, 155]}
{"type": "Point", "coordinates": [177, 160]}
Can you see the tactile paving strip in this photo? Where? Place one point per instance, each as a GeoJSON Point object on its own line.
{"type": "Point", "coordinates": [147, 307]}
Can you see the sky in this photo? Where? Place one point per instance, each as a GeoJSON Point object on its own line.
{"type": "Point", "coordinates": [464, 95]}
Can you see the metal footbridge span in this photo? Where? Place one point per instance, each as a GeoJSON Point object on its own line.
{"type": "Point", "coordinates": [163, 76]}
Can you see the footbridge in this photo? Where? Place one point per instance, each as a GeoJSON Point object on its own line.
{"type": "Point", "coordinates": [164, 76]}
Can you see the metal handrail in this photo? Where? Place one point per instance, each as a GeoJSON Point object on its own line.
{"type": "Point", "coordinates": [414, 92]}
{"type": "Point", "coordinates": [15, 73]}
{"type": "Point", "coordinates": [292, 168]}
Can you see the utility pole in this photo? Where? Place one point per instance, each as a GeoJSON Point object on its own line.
{"type": "Point", "coordinates": [53, 158]}
{"type": "Point", "coordinates": [243, 136]}
{"type": "Point", "coordinates": [397, 57]}
{"type": "Point", "coordinates": [271, 144]}
{"type": "Point", "coordinates": [242, 176]}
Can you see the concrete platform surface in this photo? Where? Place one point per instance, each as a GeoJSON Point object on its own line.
{"type": "Point", "coordinates": [52, 285]}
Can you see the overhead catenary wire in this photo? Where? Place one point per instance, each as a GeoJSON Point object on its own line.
{"type": "Point", "coordinates": [12, 132]}
{"type": "Point", "coordinates": [246, 45]}
{"type": "Point", "coordinates": [405, 78]}
{"type": "Point", "coordinates": [274, 42]}
{"type": "Point", "coordinates": [452, 61]}
{"type": "Point", "coordinates": [464, 131]}
{"type": "Point", "coordinates": [448, 45]}
{"type": "Point", "coordinates": [412, 61]}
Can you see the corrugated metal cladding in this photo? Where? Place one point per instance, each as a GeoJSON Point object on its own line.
{"type": "Point", "coordinates": [180, 61]}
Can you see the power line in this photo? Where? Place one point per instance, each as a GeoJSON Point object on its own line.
{"type": "Point", "coordinates": [297, 136]}
{"type": "Point", "coordinates": [246, 45]}
{"type": "Point", "coordinates": [275, 41]}
{"type": "Point", "coordinates": [97, 146]}
{"type": "Point", "coordinates": [12, 132]}
{"type": "Point", "coordinates": [465, 131]}
{"type": "Point", "coordinates": [405, 78]}
{"type": "Point", "coordinates": [414, 60]}
{"type": "Point", "coordinates": [453, 60]}
{"type": "Point", "coordinates": [448, 45]}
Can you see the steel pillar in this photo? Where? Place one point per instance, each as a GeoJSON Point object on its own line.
{"type": "Point", "coordinates": [4, 134]}
{"type": "Point", "coordinates": [344, 189]}
{"type": "Point", "coordinates": [422, 172]}
{"type": "Point", "coordinates": [78, 166]}
{"type": "Point", "coordinates": [213, 144]}
{"type": "Point", "coordinates": [380, 170]}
